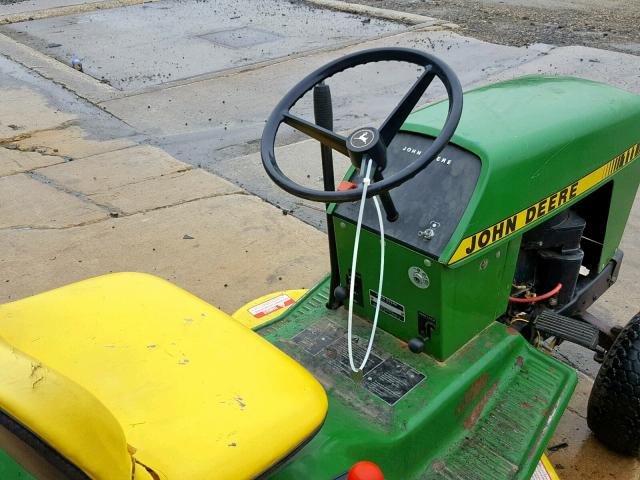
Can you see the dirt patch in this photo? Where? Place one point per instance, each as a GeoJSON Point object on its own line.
{"type": "Point", "coordinates": [477, 410]}
{"type": "Point", "coordinates": [473, 392]}
{"type": "Point", "coordinates": [609, 24]}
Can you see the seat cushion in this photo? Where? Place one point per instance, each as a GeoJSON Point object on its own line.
{"type": "Point", "coordinates": [197, 394]}
{"type": "Point", "coordinates": [71, 422]}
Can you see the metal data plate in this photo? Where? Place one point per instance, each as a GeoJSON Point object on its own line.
{"type": "Point", "coordinates": [384, 376]}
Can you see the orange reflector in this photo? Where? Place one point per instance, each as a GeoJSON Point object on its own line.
{"type": "Point", "coordinates": [365, 471]}
{"type": "Point", "coordinates": [345, 185]}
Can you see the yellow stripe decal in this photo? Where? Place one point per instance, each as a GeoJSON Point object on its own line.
{"type": "Point", "coordinates": [517, 221]}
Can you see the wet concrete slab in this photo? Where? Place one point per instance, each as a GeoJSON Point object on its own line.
{"type": "Point", "coordinates": [185, 225]}
{"type": "Point", "coordinates": [32, 106]}
{"type": "Point", "coordinates": [227, 105]}
{"type": "Point", "coordinates": [184, 38]}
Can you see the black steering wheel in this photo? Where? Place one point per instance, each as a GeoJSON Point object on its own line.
{"type": "Point", "coordinates": [365, 142]}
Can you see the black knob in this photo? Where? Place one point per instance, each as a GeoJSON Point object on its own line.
{"type": "Point", "coordinates": [416, 345]}
{"type": "Point", "coordinates": [340, 294]}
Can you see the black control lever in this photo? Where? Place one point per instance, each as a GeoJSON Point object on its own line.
{"type": "Point", "coordinates": [323, 115]}
{"type": "Point", "coordinates": [385, 198]}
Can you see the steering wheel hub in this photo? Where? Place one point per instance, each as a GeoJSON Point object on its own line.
{"type": "Point", "coordinates": [362, 139]}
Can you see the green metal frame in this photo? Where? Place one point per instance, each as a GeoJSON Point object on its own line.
{"type": "Point", "coordinates": [496, 389]}
{"type": "Point", "coordinates": [474, 295]}
{"type": "Point", "coordinates": [535, 136]}
{"type": "Point", "coordinates": [10, 469]}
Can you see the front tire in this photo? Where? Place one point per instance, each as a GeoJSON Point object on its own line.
{"type": "Point", "coordinates": [613, 413]}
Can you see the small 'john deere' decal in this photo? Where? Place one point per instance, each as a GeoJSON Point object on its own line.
{"type": "Point", "coordinates": [517, 221]}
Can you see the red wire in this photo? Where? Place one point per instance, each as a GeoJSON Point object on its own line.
{"type": "Point", "coordinates": [537, 298]}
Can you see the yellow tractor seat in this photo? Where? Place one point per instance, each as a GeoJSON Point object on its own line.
{"type": "Point", "coordinates": [196, 394]}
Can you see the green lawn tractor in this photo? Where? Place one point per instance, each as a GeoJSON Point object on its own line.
{"type": "Point", "coordinates": [465, 243]}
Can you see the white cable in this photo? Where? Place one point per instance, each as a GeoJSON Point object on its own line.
{"type": "Point", "coordinates": [365, 186]}
{"type": "Point", "coordinates": [375, 316]}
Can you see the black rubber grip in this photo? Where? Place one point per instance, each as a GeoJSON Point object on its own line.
{"type": "Point", "coordinates": [575, 331]}
{"type": "Point", "coordinates": [322, 109]}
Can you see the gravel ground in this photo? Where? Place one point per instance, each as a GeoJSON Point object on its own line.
{"type": "Point", "coordinates": [608, 24]}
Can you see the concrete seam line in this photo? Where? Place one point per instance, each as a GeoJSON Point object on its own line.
{"type": "Point", "coordinates": [123, 215]}
{"type": "Point", "coordinates": [43, 179]}
{"type": "Point", "coordinates": [69, 10]}
{"type": "Point", "coordinates": [394, 15]}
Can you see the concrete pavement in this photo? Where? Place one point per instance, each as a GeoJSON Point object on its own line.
{"type": "Point", "coordinates": [73, 206]}
{"type": "Point", "coordinates": [95, 179]}
{"type": "Point", "coordinates": [185, 39]}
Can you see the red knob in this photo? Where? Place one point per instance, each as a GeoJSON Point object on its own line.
{"type": "Point", "coordinates": [365, 471]}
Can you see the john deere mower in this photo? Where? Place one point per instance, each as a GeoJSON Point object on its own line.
{"type": "Point", "coordinates": [465, 244]}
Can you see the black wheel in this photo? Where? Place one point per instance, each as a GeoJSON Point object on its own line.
{"type": "Point", "coordinates": [613, 413]}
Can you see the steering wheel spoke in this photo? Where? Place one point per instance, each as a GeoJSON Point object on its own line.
{"type": "Point", "coordinates": [395, 120]}
{"type": "Point", "coordinates": [326, 137]}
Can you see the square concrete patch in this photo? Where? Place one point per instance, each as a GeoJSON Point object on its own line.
{"type": "Point", "coordinates": [242, 37]}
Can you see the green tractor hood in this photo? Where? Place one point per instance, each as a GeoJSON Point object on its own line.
{"type": "Point", "coordinates": [543, 142]}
